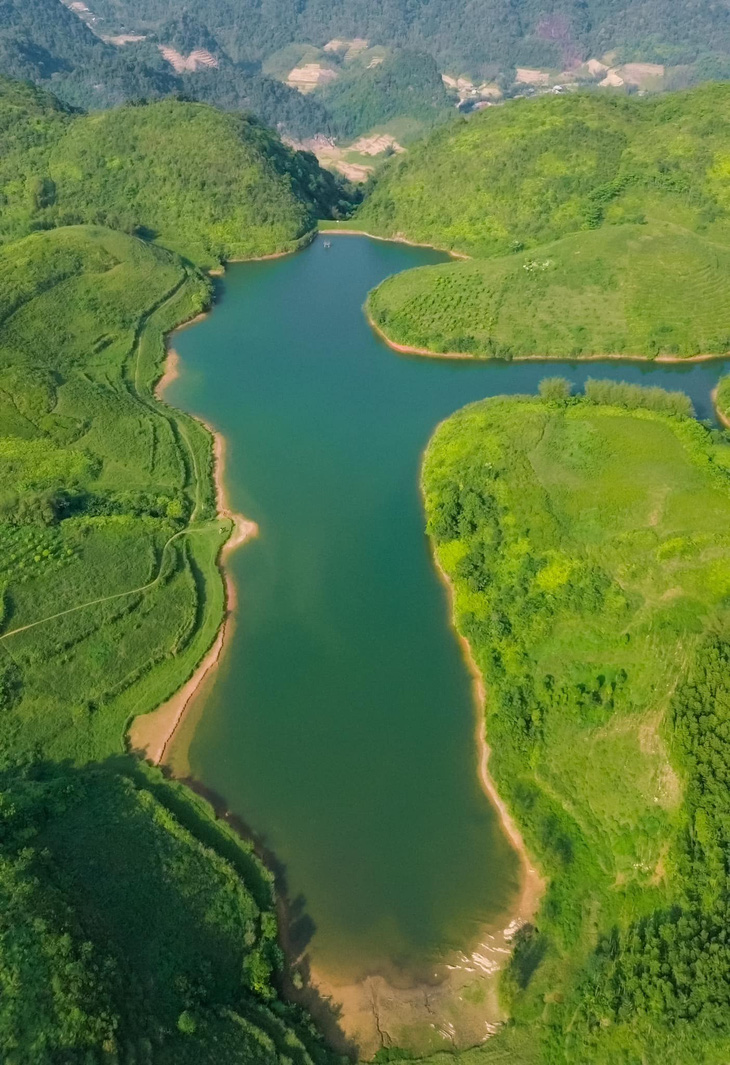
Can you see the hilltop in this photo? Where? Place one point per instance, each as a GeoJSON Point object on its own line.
{"type": "Point", "coordinates": [211, 185]}
{"type": "Point", "coordinates": [534, 170]}
{"type": "Point", "coordinates": [636, 189]}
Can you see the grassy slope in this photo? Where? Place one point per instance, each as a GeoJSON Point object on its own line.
{"type": "Point", "coordinates": [634, 290]}
{"type": "Point", "coordinates": [210, 185]}
{"type": "Point", "coordinates": [95, 479]}
{"type": "Point", "coordinates": [137, 929]}
{"type": "Point", "coordinates": [536, 170]}
{"type": "Point", "coordinates": [589, 167]}
{"type": "Point", "coordinates": [588, 548]}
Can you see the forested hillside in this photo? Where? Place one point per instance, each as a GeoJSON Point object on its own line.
{"type": "Point", "coordinates": [638, 188]}
{"type": "Point", "coordinates": [479, 36]}
{"type": "Point", "coordinates": [48, 44]}
{"type": "Point", "coordinates": [406, 86]}
{"type": "Point", "coordinates": [535, 170]}
{"type": "Point", "coordinates": [133, 927]}
{"type": "Point", "coordinates": [211, 185]}
{"type": "Point", "coordinates": [585, 539]}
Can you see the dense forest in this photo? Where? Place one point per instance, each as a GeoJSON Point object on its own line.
{"type": "Point", "coordinates": [479, 36]}
{"type": "Point", "coordinates": [634, 187]}
{"type": "Point", "coordinates": [46, 43]}
{"type": "Point", "coordinates": [583, 537]}
{"type": "Point", "coordinates": [141, 169]}
{"type": "Point", "coordinates": [111, 52]}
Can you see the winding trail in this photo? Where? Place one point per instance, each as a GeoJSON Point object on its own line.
{"type": "Point", "coordinates": [117, 595]}
{"type": "Point", "coordinates": [154, 405]}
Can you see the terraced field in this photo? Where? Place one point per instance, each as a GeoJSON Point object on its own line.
{"type": "Point", "coordinates": [98, 480]}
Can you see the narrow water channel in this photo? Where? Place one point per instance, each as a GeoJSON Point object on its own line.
{"type": "Point", "coordinates": [340, 726]}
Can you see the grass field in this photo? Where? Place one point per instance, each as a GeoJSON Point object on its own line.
{"type": "Point", "coordinates": [587, 541]}
{"type": "Point", "coordinates": [640, 290]}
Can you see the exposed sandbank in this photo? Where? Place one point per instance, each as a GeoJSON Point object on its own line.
{"type": "Point", "coordinates": [152, 733]}
{"type": "Point", "coordinates": [721, 417]}
{"type": "Point", "coordinates": [407, 349]}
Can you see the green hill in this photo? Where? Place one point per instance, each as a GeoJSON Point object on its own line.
{"type": "Point", "coordinates": [587, 542]}
{"type": "Point", "coordinates": [620, 290]}
{"type": "Point", "coordinates": [94, 482]}
{"type": "Point", "coordinates": [47, 43]}
{"type": "Point", "coordinates": [133, 928]}
{"type": "Point", "coordinates": [637, 189]}
{"type": "Point", "coordinates": [404, 86]}
{"type": "Point", "coordinates": [535, 170]}
{"type": "Point", "coordinates": [210, 185]}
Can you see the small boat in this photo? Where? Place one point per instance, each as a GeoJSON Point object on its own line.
{"type": "Point", "coordinates": [328, 244]}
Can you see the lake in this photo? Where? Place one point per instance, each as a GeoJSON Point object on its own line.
{"type": "Point", "coordinates": [340, 726]}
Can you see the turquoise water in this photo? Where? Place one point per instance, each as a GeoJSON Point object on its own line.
{"type": "Point", "coordinates": [341, 725]}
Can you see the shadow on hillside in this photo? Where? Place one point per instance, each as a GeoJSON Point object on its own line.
{"type": "Point", "coordinates": [296, 926]}
{"type": "Point", "coordinates": [134, 853]}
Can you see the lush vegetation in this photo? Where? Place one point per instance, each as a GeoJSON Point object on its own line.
{"type": "Point", "coordinates": [406, 85]}
{"type": "Point", "coordinates": [48, 44]}
{"type": "Point", "coordinates": [476, 36]}
{"type": "Point", "coordinates": [134, 928]}
{"type": "Point", "coordinates": [536, 170]}
{"type": "Point", "coordinates": [638, 189]}
{"type": "Point", "coordinates": [95, 482]}
{"type": "Point", "coordinates": [622, 290]}
{"type": "Point", "coordinates": [210, 185]}
{"type": "Point", "coordinates": [722, 399]}
{"type": "Point", "coordinates": [77, 57]}
{"type": "Point", "coordinates": [586, 539]}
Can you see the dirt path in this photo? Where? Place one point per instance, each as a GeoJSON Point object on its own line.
{"type": "Point", "coordinates": [107, 598]}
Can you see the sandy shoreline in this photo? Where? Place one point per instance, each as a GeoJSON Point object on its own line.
{"type": "Point", "coordinates": [721, 417]}
{"type": "Point", "coordinates": [407, 349]}
{"type": "Point", "coordinates": [393, 240]}
{"type": "Point", "coordinates": [152, 733]}
{"type": "Point", "coordinates": [533, 885]}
